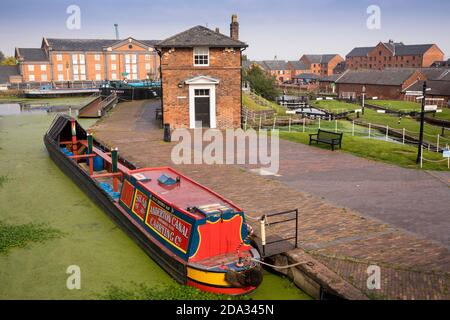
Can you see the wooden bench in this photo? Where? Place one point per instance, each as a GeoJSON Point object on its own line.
{"type": "Point", "coordinates": [328, 137]}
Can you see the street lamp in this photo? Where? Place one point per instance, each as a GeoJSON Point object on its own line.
{"type": "Point", "coordinates": [67, 73]}
{"type": "Point", "coordinates": [363, 97]}
{"type": "Point", "coordinates": [422, 119]}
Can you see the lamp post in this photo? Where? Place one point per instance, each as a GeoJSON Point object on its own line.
{"type": "Point", "coordinates": [422, 118]}
{"type": "Point", "coordinates": [363, 97]}
{"type": "Point", "coordinates": [67, 73]}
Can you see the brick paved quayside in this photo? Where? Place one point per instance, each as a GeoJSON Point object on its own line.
{"type": "Point", "coordinates": [342, 240]}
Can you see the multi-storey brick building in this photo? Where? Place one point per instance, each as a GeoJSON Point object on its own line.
{"type": "Point", "coordinates": [297, 67]}
{"type": "Point", "coordinates": [88, 59]}
{"type": "Point", "coordinates": [393, 55]}
{"type": "Point", "coordinates": [321, 64]}
{"type": "Point", "coordinates": [201, 78]}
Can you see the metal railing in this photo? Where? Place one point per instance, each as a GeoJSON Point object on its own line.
{"type": "Point", "coordinates": [264, 221]}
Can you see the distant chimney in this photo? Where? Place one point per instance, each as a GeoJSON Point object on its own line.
{"type": "Point", "coordinates": [217, 30]}
{"type": "Point", "coordinates": [234, 27]}
{"type": "Point", "coordinates": [391, 41]}
{"type": "Point", "coordinates": [116, 27]}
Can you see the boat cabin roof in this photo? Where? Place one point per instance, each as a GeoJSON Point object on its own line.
{"type": "Point", "coordinates": [181, 192]}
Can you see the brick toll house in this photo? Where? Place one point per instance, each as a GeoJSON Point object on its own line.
{"type": "Point", "coordinates": [201, 78]}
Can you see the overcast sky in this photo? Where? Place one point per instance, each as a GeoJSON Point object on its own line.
{"type": "Point", "coordinates": [285, 28]}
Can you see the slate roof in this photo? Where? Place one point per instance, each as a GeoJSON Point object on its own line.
{"type": "Point", "coordinates": [298, 65]}
{"type": "Point", "coordinates": [436, 73]}
{"type": "Point", "coordinates": [331, 78]}
{"type": "Point", "coordinates": [319, 58]}
{"type": "Point", "coordinates": [31, 54]}
{"type": "Point", "coordinates": [6, 72]}
{"type": "Point", "coordinates": [392, 77]}
{"type": "Point", "coordinates": [309, 76]}
{"type": "Point", "coordinates": [200, 36]}
{"type": "Point", "coordinates": [397, 48]}
{"type": "Point", "coordinates": [359, 52]}
{"type": "Point", "coordinates": [89, 44]}
{"type": "Point", "coordinates": [438, 88]}
{"type": "Point", "coordinates": [275, 65]}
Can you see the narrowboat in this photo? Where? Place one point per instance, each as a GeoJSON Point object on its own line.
{"type": "Point", "coordinates": [200, 238]}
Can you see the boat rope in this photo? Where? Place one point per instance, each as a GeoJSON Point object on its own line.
{"type": "Point", "coordinates": [277, 267]}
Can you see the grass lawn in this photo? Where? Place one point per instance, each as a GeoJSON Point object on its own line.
{"type": "Point", "coordinates": [396, 105]}
{"type": "Point", "coordinates": [254, 105]}
{"type": "Point", "coordinates": [444, 115]}
{"type": "Point", "coordinates": [65, 101]}
{"type": "Point", "coordinates": [393, 153]}
{"type": "Point", "coordinates": [334, 106]}
{"type": "Point", "coordinates": [411, 125]}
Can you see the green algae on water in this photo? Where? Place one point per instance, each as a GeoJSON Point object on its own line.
{"type": "Point", "coordinates": [20, 235]}
{"type": "Point", "coordinates": [140, 291]}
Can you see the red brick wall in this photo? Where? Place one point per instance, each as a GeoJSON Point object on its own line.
{"type": "Point", "coordinates": [178, 66]}
{"type": "Point", "coordinates": [37, 72]}
{"type": "Point", "coordinates": [382, 92]}
{"type": "Point", "coordinates": [432, 55]}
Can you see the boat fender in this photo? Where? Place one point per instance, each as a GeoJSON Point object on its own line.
{"type": "Point", "coordinates": [248, 278]}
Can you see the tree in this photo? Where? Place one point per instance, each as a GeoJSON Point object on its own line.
{"type": "Point", "coordinates": [262, 83]}
{"type": "Point", "coordinates": [2, 56]}
{"type": "Point", "coordinates": [8, 61]}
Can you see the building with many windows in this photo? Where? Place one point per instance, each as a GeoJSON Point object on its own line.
{"type": "Point", "coordinates": [88, 59]}
{"type": "Point", "coordinates": [393, 55]}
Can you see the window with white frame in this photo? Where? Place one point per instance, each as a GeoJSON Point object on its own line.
{"type": "Point", "coordinates": [114, 76]}
{"type": "Point", "coordinates": [98, 77]}
{"type": "Point", "coordinates": [60, 67]}
{"type": "Point", "coordinates": [131, 66]}
{"type": "Point", "coordinates": [97, 57]}
{"type": "Point", "coordinates": [201, 56]}
{"type": "Point", "coordinates": [43, 67]}
{"type": "Point", "coordinates": [147, 57]}
{"type": "Point", "coordinates": [113, 57]}
{"type": "Point", "coordinates": [97, 67]}
{"type": "Point", "coordinates": [30, 67]}
{"type": "Point", "coordinates": [79, 67]}
{"type": "Point", "coordinates": [113, 66]}
{"type": "Point", "coordinates": [43, 77]}
{"type": "Point", "coordinates": [147, 66]}
{"type": "Point", "coordinates": [60, 77]}
{"type": "Point", "coordinates": [31, 77]}
{"type": "Point", "coordinates": [58, 57]}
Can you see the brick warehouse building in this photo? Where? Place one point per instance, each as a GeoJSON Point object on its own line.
{"type": "Point", "coordinates": [201, 78]}
{"type": "Point", "coordinates": [393, 55]}
{"type": "Point", "coordinates": [388, 84]}
{"type": "Point", "coordinates": [88, 59]}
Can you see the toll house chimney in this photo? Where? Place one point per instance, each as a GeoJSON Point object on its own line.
{"type": "Point", "coordinates": [234, 27]}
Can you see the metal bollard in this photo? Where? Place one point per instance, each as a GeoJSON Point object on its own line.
{"type": "Point", "coordinates": [167, 135]}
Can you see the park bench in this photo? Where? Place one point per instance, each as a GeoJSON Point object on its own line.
{"type": "Point", "coordinates": [328, 137]}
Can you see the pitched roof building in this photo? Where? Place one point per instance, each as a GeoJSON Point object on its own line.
{"type": "Point", "coordinates": [201, 78]}
{"type": "Point", "coordinates": [384, 84]}
{"type": "Point", "coordinates": [321, 64]}
{"type": "Point", "coordinates": [88, 59]}
{"type": "Point", "coordinates": [393, 55]}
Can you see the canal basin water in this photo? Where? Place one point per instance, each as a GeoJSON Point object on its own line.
{"type": "Point", "coordinates": [37, 191]}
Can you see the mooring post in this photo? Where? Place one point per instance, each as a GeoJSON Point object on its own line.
{"type": "Point", "coordinates": [74, 136]}
{"type": "Point", "coordinates": [304, 121]}
{"type": "Point", "coordinates": [114, 160]}
{"type": "Point", "coordinates": [336, 126]}
{"type": "Point", "coordinates": [437, 143]}
{"type": "Point", "coordinates": [263, 234]}
{"type": "Point", "coordinates": [353, 127]}
{"type": "Point", "coordinates": [90, 140]}
{"type": "Point", "coordinates": [403, 136]}
{"type": "Point", "coordinates": [387, 132]}
{"type": "Point", "coordinates": [369, 129]}
{"type": "Point", "coordinates": [289, 124]}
